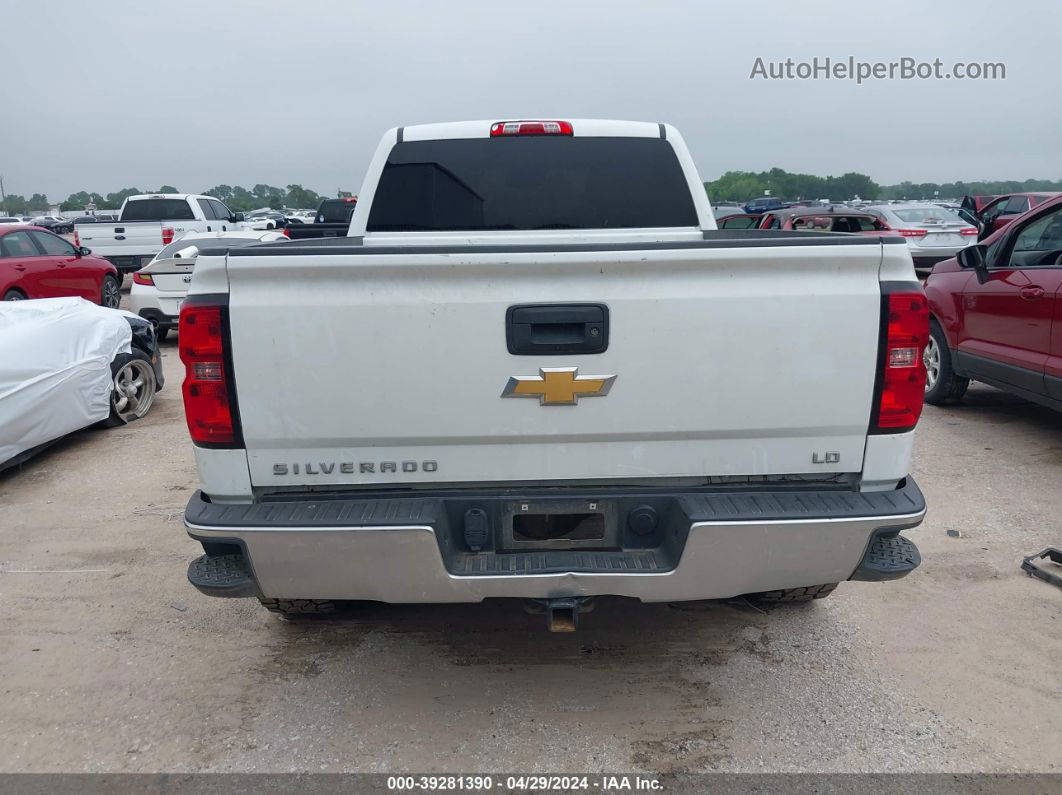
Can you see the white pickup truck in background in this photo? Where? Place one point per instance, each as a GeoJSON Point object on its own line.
{"type": "Point", "coordinates": [535, 369]}
{"type": "Point", "coordinates": [148, 222]}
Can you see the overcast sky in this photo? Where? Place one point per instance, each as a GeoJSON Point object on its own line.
{"type": "Point", "coordinates": [102, 95]}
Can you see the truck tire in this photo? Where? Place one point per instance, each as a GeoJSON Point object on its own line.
{"type": "Point", "coordinates": [943, 386]}
{"type": "Point", "coordinates": [790, 595]}
{"type": "Point", "coordinates": [298, 607]}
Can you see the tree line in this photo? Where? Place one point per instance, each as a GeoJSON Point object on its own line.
{"type": "Point", "coordinates": [237, 198]}
{"type": "Point", "coordinates": [744, 185]}
{"type": "Point", "coordinates": [732, 186]}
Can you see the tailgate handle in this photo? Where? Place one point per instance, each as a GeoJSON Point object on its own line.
{"type": "Point", "coordinates": [554, 329]}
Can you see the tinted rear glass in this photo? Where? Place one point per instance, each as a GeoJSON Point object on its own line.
{"type": "Point", "coordinates": [335, 211]}
{"type": "Point", "coordinates": [540, 182]}
{"type": "Point", "coordinates": [157, 210]}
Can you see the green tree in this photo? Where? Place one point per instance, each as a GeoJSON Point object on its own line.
{"type": "Point", "coordinates": [223, 192]}
{"type": "Point", "coordinates": [167, 189]}
{"type": "Point", "coordinates": [115, 199]}
{"type": "Point", "coordinates": [299, 196]}
{"type": "Point", "coordinates": [15, 205]}
{"type": "Point", "coordinates": [38, 202]}
{"type": "Point", "coordinates": [745, 185]}
{"type": "Point", "coordinates": [80, 200]}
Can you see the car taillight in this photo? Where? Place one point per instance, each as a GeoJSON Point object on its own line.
{"type": "Point", "coordinates": [142, 278]}
{"type": "Point", "coordinates": [912, 232]}
{"type": "Point", "coordinates": [77, 239]}
{"type": "Point", "coordinates": [530, 128]}
{"type": "Point", "coordinates": [902, 374]}
{"type": "Point", "coordinates": [286, 233]}
{"type": "Point", "coordinates": [209, 391]}
{"type": "Point", "coordinates": [167, 235]}
{"type": "Point", "coordinates": [969, 231]}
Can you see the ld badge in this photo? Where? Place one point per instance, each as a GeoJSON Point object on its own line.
{"type": "Point", "coordinates": [558, 386]}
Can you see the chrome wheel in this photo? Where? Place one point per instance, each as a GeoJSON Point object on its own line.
{"type": "Point", "coordinates": [111, 296]}
{"type": "Point", "coordinates": [931, 359]}
{"type": "Point", "coordinates": [134, 390]}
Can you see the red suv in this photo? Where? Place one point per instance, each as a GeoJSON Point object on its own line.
{"type": "Point", "coordinates": [1003, 209]}
{"type": "Point", "coordinates": [996, 312]}
{"type": "Point", "coordinates": [34, 263]}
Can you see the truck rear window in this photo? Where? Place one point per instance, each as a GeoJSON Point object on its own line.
{"type": "Point", "coordinates": [534, 182]}
{"type": "Point", "coordinates": [335, 211]}
{"type": "Point", "coordinates": [157, 210]}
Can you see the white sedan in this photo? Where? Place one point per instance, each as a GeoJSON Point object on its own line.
{"type": "Point", "coordinates": [160, 287]}
{"type": "Point", "coordinates": [933, 233]}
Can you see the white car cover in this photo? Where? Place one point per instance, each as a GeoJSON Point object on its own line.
{"type": "Point", "coordinates": [55, 368]}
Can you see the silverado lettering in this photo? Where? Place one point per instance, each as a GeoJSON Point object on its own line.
{"type": "Point", "coordinates": [349, 467]}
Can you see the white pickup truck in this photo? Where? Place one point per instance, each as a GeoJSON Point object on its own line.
{"type": "Point", "coordinates": [535, 369]}
{"type": "Point", "coordinates": [150, 221]}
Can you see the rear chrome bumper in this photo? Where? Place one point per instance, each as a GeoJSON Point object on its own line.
{"type": "Point", "coordinates": [732, 543]}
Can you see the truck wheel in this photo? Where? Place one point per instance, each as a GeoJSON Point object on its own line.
{"type": "Point", "coordinates": [943, 386]}
{"type": "Point", "coordinates": [298, 607]}
{"type": "Point", "coordinates": [805, 594]}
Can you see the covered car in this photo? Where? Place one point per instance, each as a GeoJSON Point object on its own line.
{"type": "Point", "coordinates": [66, 364]}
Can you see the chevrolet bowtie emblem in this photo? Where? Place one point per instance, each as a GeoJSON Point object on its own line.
{"type": "Point", "coordinates": [558, 386]}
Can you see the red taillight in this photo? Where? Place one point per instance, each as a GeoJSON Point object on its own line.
{"type": "Point", "coordinates": [167, 235]}
{"type": "Point", "coordinates": [209, 402]}
{"type": "Point", "coordinates": [903, 372]}
{"type": "Point", "coordinates": [142, 278]}
{"type": "Point", "coordinates": [912, 232]}
{"type": "Point", "coordinates": [77, 239]}
{"type": "Point", "coordinates": [286, 233]}
{"type": "Point", "coordinates": [969, 231]}
{"type": "Point", "coordinates": [530, 128]}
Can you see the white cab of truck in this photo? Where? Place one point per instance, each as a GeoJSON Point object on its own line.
{"type": "Point", "coordinates": [534, 368]}
{"type": "Point", "coordinates": [148, 222]}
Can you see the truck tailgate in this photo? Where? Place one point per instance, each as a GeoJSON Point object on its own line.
{"type": "Point", "coordinates": [122, 239]}
{"type": "Point", "coordinates": [388, 366]}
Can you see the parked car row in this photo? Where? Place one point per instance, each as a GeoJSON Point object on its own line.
{"type": "Point", "coordinates": [933, 233]}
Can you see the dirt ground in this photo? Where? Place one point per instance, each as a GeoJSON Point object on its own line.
{"type": "Point", "coordinates": [110, 661]}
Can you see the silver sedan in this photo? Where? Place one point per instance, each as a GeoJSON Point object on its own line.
{"type": "Point", "coordinates": [933, 233]}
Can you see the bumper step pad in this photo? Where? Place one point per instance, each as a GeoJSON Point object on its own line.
{"type": "Point", "coordinates": [888, 558]}
{"type": "Point", "coordinates": [222, 575]}
{"type": "Point", "coordinates": [640, 561]}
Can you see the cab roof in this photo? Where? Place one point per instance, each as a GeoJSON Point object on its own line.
{"type": "Point", "coordinates": [580, 128]}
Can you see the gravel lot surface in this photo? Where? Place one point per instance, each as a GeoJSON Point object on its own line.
{"type": "Point", "coordinates": [112, 662]}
